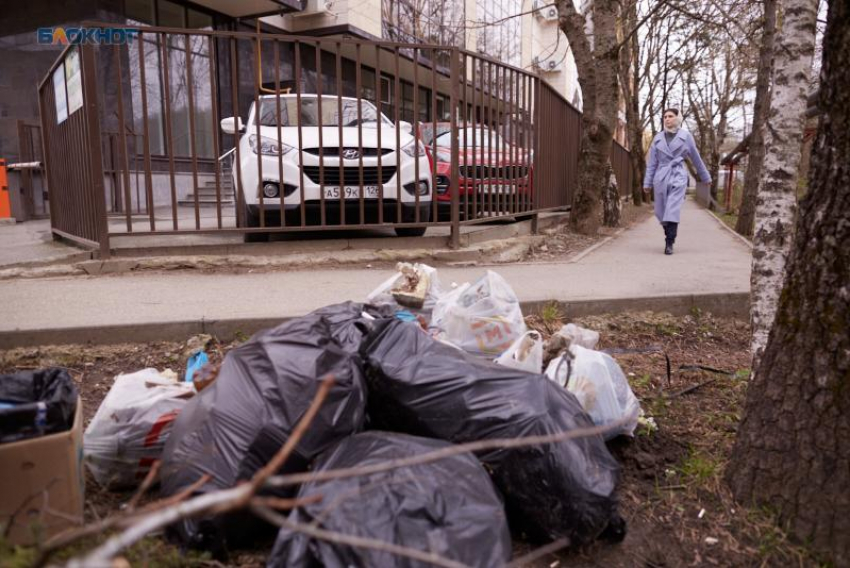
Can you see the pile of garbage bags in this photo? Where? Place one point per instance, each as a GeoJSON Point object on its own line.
{"type": "Point", "coordinates": [419, 368]}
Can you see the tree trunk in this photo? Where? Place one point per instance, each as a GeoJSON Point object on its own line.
{"type": "Point", "coordinates": [630, 78]}
{"type": "Point", "coordinates": [597, 73]}
{"type": "Point", "coordinates": [792, 452]}
{"type": "Point", "coordinates": [611, 206]}
{"type": "Point", "coordinates": [776, 200]}
{"type": "Point", "coordinates": [755, 159]}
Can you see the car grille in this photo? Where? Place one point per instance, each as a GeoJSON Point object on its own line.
{"type": "Point", "coordinates": [333, 152]}
{"type": "Point", "coordinates": [492, 172]}
{"type": "Point", "coordinates": [351, 175]}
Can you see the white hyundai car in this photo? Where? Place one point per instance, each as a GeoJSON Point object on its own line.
{"type": "Point", "coordinates": [339, 180]}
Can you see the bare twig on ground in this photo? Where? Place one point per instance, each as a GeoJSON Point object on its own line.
{"type": "Point", "coordinates": [356, 541]}
{"type": "Point", "coordinates": [478, 446]}
{"type": "Point", "coordinates": [146, 484]}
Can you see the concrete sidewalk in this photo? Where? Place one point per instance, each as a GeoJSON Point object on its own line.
{"type": "Point", "coordinates": [710, 270]}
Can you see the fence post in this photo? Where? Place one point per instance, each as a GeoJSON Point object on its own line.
{"type": "Point", "coordinates": [453, 185]}
{"type": "Point", "coordinates": [89, 75]}
{"type": "Point", "coordinates": [536, 171]}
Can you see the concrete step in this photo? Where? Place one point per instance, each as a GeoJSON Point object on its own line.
{"type": "Point", "coordinates": [211, 192]}
{"type": "Point", "coordinates": [203, 201]}
{"type": "Point", "coordinates": [224, 184]}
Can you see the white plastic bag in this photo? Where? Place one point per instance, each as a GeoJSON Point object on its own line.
{"type": "Point", "coordinates": [483, 317]}
{"type": "Point", "coordinates": [525, 354]}
{"type": "Point", "coordinates": [129, 430]}
{"type": "Point", "coordinates": [600, 386]}
{"type": "Point", "coordinates": [384, 293]}
{"type": "Point", "coordinates": [586, 338]}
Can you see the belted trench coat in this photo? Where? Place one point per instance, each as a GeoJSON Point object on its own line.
{"type": "Point", "coordinates": [667, 175]}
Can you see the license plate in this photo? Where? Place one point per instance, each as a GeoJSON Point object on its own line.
{"type": "Point", "coordinates": [350, 191]}
{"type": "Point", "coordinates": [497, 189]}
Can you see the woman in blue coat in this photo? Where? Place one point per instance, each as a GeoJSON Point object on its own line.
{"type": "Point", "coordinates": [666, 173]}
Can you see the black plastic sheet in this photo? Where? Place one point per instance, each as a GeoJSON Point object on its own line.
{"type": "Point", "coordinates": [448, 507]}
{"type": "Point", "coordinates": [236, 425]}
{"type": "Point", "coordinates": [39, 402]}
{"type": "Point", "coordinates": [424, 387]}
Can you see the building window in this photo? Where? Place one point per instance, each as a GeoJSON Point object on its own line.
{"type": "Point", "coordinates": [165, 13]}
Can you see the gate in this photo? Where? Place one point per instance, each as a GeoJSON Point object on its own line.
{"type": "Point", "coordinates": [70, 129]}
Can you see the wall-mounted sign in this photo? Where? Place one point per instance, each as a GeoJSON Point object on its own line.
{"type": "Point", "coordinates": [73, 81]}
{"type": "Point", "coordinates": [60, 95]}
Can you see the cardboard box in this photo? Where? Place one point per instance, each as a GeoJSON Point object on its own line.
{"type": "Point", "coordinates": [42, 485]}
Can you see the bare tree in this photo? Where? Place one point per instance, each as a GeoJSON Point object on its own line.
{"type": "Point", "coordinates": [792, 445]}
{"type": "Point", "coordinates": [776, 201]}
{"type": "Point", "coordinates": [755, 160]}
{"type": "Point", "coordinates": [716, 82]}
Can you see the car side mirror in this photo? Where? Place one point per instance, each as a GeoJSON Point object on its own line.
{"type": "Point", "coordinates": [232, 125]}
{"type": "Point", "coordinates": [406, 126]}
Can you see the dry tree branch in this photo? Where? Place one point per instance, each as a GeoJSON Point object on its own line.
{"type": "Point", "coordinates": [442, 453]}
{"type": "Point", "coordinates": [146, 484]}
{"type": "Point", "coordinates": [356, 541]}
{"type": "Point", "coordinates": [217, 502]}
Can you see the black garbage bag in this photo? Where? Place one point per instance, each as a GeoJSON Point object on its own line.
{"type": "Point", "coordinates": [34, 403]}
{"type": "Point", "coordinates": [424, 387]}
{"type": "Point", "coordinates": [236, 425]}
{"type": "Point", "coordinates": [447, 507]}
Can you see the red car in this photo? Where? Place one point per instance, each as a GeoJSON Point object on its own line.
{"type": "Point", "coordinates": [494, 176]}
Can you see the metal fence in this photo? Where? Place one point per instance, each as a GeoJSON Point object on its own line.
{"type": "Point", "coordinates": [212, 131]}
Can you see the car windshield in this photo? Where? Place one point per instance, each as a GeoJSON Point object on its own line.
{"type": "Point", "coordinates": [426, 131]}
{"type": "Point", "coordinates": [477, 137]}
{"type": "Point", "coordinates": [309, 111]}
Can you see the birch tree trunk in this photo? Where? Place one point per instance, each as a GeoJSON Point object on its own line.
{"type": "Point", "coordinates": [792, 452]}
{"type": "Point", "coordinates": [597, 65]}
{"type": "Point", "coordinates": [755, 159]}
{"type": "Point", "coordinates": [776, 199]}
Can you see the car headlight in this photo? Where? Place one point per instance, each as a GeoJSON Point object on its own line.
{"type": "Point", "coordinates": [268, 146]}
{"type": "Point", "coordinates": [415, 149]}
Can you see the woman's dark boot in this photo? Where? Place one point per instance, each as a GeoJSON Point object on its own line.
{"type": "Point", "coordinates": [670, 230]}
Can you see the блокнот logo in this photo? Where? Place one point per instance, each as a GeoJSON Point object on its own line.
{"type": "Point", "coordinates": [76, 36]}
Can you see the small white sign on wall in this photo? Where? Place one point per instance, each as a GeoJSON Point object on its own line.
{"type": "Point", "coordinates": [59, 94]}
{"type": "Point", "coordinates": [73, 81]}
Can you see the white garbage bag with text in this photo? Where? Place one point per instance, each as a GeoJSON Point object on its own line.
{"type": "Point", "coordinates": [483, 317]}
{"type": "Point", "coordinates": [132, 424]}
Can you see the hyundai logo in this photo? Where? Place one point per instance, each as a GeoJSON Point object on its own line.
{"type": "Point", "coordinates": [350, 153]}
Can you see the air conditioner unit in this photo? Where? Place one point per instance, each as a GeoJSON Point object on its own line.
{"type": "Point", "coordinates": [312, 8]}
{"type": "Point", "coordinates": [544, 9]}
{"type": "Point", "coordinates": [546, 65]}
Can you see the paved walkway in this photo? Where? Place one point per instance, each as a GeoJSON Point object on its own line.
{"type": "Point", "coordinates": [709, 261]}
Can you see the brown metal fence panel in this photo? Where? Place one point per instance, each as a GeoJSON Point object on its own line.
{"type": "Point", "coordinates": [556, 161]}
{"type": "Point", "coordinates": [219, 131]}
{"type": "Point", "coordinates": [72, 147]}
